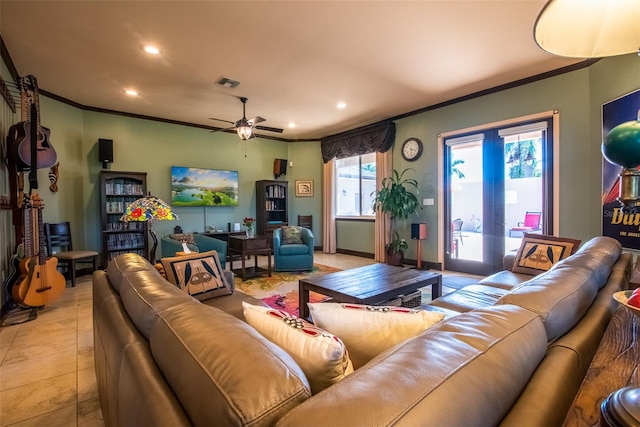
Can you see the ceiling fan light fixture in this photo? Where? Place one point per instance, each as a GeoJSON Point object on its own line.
{"type": "Point", "coordinates": [244, 131]}
{"type": "Point", "coordinates": [152, 50]}
{"type": "Point", "coordinates": [589, 29]}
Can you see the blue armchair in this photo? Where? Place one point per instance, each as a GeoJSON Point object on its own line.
{"type": "Point", "coordinates": [293, 256]}
{"type": "Point", "coordinates": [202, 244]}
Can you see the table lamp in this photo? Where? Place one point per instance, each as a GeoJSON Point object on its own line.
{"type": "Point", "coordinates": [149, 208]}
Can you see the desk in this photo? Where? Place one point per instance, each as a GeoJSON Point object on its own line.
{"type": "Point", "coordinates": [615, 365]}
{"type": "Point", "coordinates": [372, 285]}
{"type": "Point", "coordinates": [244, 246]}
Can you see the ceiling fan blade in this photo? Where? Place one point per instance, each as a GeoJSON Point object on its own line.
{"type": "Point", "coordinates": [270, 129]}
{"type": "Point", "coordinates": [221, 120]}
{"type": "Point", "coordinates": [222, 129]}
{"type": "Point", "coordinates": [256, 120]}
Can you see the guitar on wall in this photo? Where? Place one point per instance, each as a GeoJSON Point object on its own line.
{"type": "Point", "coordinates": [19, 136]}
{"type": "Point", "coordinates": [40, 282]}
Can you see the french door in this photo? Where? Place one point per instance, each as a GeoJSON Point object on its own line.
{"type": "Point", "coordinates": [496, 180]}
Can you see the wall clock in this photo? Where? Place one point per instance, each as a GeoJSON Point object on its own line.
{"type": "Point", "coordinates": [411, 149]}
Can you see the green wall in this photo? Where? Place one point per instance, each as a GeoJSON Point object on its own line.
{"type": "Point", "coordinates": [151, 146]}
{"type": "Point", "coordinates": [577, 95]}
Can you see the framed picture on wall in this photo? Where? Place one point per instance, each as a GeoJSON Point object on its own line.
{"type": "Point", "coordinates": [304, 188]}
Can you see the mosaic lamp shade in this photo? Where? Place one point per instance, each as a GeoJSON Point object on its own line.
{"type": "Point", "coordinates": [149, 208]}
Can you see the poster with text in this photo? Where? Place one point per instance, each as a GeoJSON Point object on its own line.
{"type": "Point", "coordinates": [621, 226]}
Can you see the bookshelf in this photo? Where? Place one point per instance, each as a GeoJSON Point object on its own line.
{"type": "Point", "coordinates": [272, 206]}
{"type": "Point", "coordinates": [117, 190]}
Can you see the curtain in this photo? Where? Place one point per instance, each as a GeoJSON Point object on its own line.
{"type": "Point", "coordinates": [382, 223]}
{"type": "Point", "coordinates": [377, 137]}
{"type": "Point", "coordinates": [328, 203]}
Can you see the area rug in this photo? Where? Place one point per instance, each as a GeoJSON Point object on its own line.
{"type": "Point", "coordinates": [281, 289]}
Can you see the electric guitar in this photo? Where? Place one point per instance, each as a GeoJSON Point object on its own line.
{"type": "Point", "coordinates": [40, 282]}
{"type": "Point", "coordinates": [19, 136]}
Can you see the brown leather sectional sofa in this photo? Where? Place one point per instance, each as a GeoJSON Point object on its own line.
{"type": "Point", "coordinates": [515, 355]}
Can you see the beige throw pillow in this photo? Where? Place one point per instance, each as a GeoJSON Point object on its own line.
{"type": "Point", "coordinates": [369, 330]}
{"type": "Point", "coordinates": [199, 274]}
{"type": "Point", "coordinates": [539, 252]}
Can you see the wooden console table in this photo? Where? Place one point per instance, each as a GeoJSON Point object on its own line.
{"type": "Point", "coordinates": [615, 365]}
{"type": "Point", "coordinates": [246, 246]}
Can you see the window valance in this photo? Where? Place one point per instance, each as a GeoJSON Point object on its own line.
{"type": "Point", "coordinates": [368, 139]}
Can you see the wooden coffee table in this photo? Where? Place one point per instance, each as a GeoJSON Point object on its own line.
{"type": "Point", "coordinates": [372, 284]}
{"type": "Point", "coordinates": [247, 246]}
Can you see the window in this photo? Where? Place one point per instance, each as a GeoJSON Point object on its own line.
{"type": "Point", "coordinates": [355, 182]}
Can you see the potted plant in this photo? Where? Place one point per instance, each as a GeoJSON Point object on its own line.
{"type": "Point", "coordinates": [397, 199]}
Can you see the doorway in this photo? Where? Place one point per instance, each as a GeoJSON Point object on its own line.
{"type": "Point", "coordinates": [498, 184]}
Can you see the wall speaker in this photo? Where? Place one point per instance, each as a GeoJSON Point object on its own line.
{"type": "Point", "coordinates": [279, 167]}
{"type": "Point", "coordinates": [419, 231]}
{"type": "Point", "coordinates": [105, 151]}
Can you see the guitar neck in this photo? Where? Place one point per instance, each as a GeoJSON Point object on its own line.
{"type": "Point", "coordinates": [30, 96]}
{"type": "Point", "coordinates": [41, 240]}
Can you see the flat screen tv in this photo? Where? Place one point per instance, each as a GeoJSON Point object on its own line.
{"type": "Point", "coordinates": [203, 187]}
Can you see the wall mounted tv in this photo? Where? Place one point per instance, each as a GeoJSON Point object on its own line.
{"type": "Point", "coordinates": [203, 187]}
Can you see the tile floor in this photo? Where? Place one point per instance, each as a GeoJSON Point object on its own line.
{"type": "Point", "coordinates": [46, 366]}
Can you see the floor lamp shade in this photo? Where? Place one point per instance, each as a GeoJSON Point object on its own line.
{"type": "Point", "coordinates": [149, 208]}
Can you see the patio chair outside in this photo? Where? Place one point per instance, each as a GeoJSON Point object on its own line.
{"type": "Point", "coordinates": [531, 223]}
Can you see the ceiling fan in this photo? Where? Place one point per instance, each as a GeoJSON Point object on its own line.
{"type": "Point", "coordinates": [245, 127]}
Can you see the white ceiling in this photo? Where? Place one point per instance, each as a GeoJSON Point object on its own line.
{"type": "Point", "coordinates": [294, 59]}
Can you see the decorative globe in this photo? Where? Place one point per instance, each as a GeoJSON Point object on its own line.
{"type": "Point", "coordinates": [621, 146]}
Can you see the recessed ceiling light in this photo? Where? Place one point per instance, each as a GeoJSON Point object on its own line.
{"type": "Point", "coordinates": [341, 105]}
{"type": "Point", "coordinates": [152, 50]}
{"type": "Point", "coordinates": [131, 92]}
{"type": "Point", "coordinates": [291, 125]}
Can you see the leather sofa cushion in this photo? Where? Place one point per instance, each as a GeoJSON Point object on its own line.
{"type": "Point", "coordinates": [222, 370]}
{"type": "Point", "coordinates": [121, 265]}
{"type": "Point", "coordinates": [505, 279]}
{"type": "Point", "coordinates": [598, 255]}
{"type": "Point", "coordinates": [560, 296]}
{"type": "Point", "coordinates": [469, 298]}
{"type": "Point", "coordinates": [564, 293]}
{"type": "Point", "coordinates": [143, 290]}
{"type": "Point", "coordinates": [232, 304]}
{"type": "Point", "coordinates": [489, 353]}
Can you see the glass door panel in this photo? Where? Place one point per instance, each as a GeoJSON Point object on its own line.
{"type": "Point", "coordinates": [524, 187]}
{"type": "Point", "coordinates": [466, 201]}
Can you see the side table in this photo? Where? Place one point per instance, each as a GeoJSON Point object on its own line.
{"type": "Point", "coordinates": [246, 246]}
{"type": "Point", "coordinates": [614, 366]}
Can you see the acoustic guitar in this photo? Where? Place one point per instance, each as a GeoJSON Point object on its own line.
{"type": "Point", "coordinates": [19, 136]}
{"type": "Point", "coordinates": [40, 282]}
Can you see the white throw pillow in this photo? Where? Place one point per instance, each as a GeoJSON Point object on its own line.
{"type": "Point", "coordinates": [369, 330]}
{"type": "Point", "coordinates": [322, 356]}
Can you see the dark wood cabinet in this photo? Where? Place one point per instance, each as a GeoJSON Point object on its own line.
{"type": "Point", "coordinates": [272, 206]}
{"type": "Point", "coordinates": [117, 190]}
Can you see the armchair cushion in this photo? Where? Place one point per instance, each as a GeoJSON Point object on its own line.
{"type": "Point", "coordinates": [294, 249]}
{"type": "Point", "coordinates": [291, 235]}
